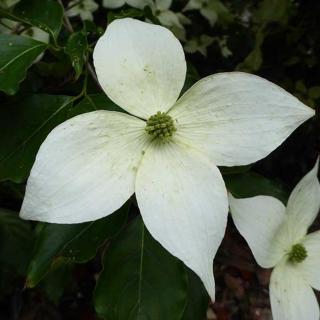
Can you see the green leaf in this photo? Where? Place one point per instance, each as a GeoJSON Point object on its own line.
{"type": "Point", "coordinates": [314, 92]}
{"type": "Point", "coordinates": [198, 299]}
{"type": "Point", "coordinates": [16, 241]}
{"type": "Point", "coordinates": [77, 242]}
{"type": "Point", "coordinates": [24, 125]}
{"type": "Point", "coordinates": [45, 14]}
{"type": "Point", "coordinates": [57, 280]}
{"type": "Point", "coordinates": [254, 59]}
{"type": "Point", "coordinates": [17, 54]}
{"type": "Point", "coordinates": [140, 280]}
{"type": "Point", "coordinates": [273, 11]}
{"type": "Point", "coordinates": [250, 184]}
{"type": "Point", "coordinates": [98, 101]}
{"type": "Point", "coordinates": [76, 49]}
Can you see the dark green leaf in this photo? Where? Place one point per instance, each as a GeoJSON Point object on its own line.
{"type": "Point", "coordinates": [84, 246]}
{"type": "Point", "coordinates": [16, 241]}
{"type": "Point", "coordinates": [314, 92]}
{"type": "Point", "coordinates": [44, 14]}
{"type": "Point", "coordinates": [76, 49]}
{"type": "Point", "coordinates": [23, 127]}
{"type": "Point", "coordinates": [58, 279]}
{"type": "Point", "coordinates": [250, 184]}
{"type": "Point", "coordinates": [78, 242]}
{"type": "Point", "coordinates": [198, 299]}
{"type": "Point", "coordinates": [17, 54]}
{"type": "Point", "coordinates": [94, 102]}
{"type": "Point", "coordinates": [140, 280]}
{"type": "Point", "coordinates": [273, 11]}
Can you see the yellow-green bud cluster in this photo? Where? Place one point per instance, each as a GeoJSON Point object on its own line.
{"type": "Point", "coordinates": [298, 253]}
{"type": "Point", "coordinates": [160, 126]}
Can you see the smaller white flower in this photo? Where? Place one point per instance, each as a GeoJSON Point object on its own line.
{"type": "Point", "coordinates": [160, 9]}
{"type": "Point", "coordinates": [168, 18]}
{"type": "Point", "coordinates": [83, 9]}
{"type": "Point", "coordinates": [210, 9]}
{"type": "Point", "coordinates": [115, 4]}
{"type": "Point", "coordinates": [199, 44]}
{"type": "Point", "coordinates": [277, 236]}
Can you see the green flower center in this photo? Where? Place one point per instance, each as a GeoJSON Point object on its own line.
{"type": "Point", "coordinates": [298, 253]}
{"type": "Point", "coordinates": [160, 126]}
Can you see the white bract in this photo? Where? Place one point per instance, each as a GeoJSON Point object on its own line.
{"type": "Point", "coordinates": [277, 236]}
{"type": "Point", "coordinates": [84, 9]}
{"type": "Point", "coordinates": [166, 150]}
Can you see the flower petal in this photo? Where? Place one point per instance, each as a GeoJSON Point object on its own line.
{"type": "Point", "coordinates": [183, 203]}
{"type": "Point", "coordinates": [258, 219]}
{"type": "Point", "coordinates": [140, 66]}
{"type": "Point", "coordinates": [304, 203]}
{"type": "Point", "coordinates": [310, 267]}
{"type": "Point", "coordinates": [85, 169]}
{"type": "Point", "coordinates": [237, 118]}
{"type": "Point", "coordinates": [291, 297]}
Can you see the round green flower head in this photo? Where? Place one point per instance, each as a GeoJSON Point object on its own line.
{"type": "Point", "coordinates": [160, 126]}
{"type": "Point", "coordinates": [298, 253]}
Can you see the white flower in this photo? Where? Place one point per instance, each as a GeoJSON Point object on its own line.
{"type": "Point", "coordinates": [114, 4]}
{"type": "Point", "coordinates": [165, 151]}
{"type": "Point", "coordinates": [210, 9]}
{"type": "Point", "coordinates": [277, 236]}
{"type": "Point", "coordinates": [160, 9]}
{"type": "Point", "coordinates": [83, 9]}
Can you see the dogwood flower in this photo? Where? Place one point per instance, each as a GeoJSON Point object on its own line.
{"type": "Point", "coordinates": [277, 236]}
{"type": "Point", "coordinates": [166, 150]}
{"type": "Point", "coordinates": [84, 9]}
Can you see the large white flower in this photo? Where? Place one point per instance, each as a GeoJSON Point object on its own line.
{"type": "Point", "coordinates": [165, 151]}
{"type": "Point", "coordinates": [277, 236]}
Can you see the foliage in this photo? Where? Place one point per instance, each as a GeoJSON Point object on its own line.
{"type": "Point", "coordinates": [81, 270]}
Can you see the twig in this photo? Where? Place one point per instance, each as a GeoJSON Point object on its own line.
{"type": "Point", "coordinates": [66, 20]}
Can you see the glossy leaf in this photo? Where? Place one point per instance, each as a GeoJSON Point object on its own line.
{"type": "Point", "coordinates": [198, 299]}
{"type": "Point", "coordinates": [17, 54]}
{"type": "Point", "coordinates": [250, 184]}
{"type": "Point", "coordinates": [76, 49]}
{"type": "Point", "coordinates": [45, 14]}
{"type": "Point", "coordinates": [140, 280]}
{"type": "Point", "coordinates": [24, 125]}
{"type": "Point", "coordinates": [78, 242]}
